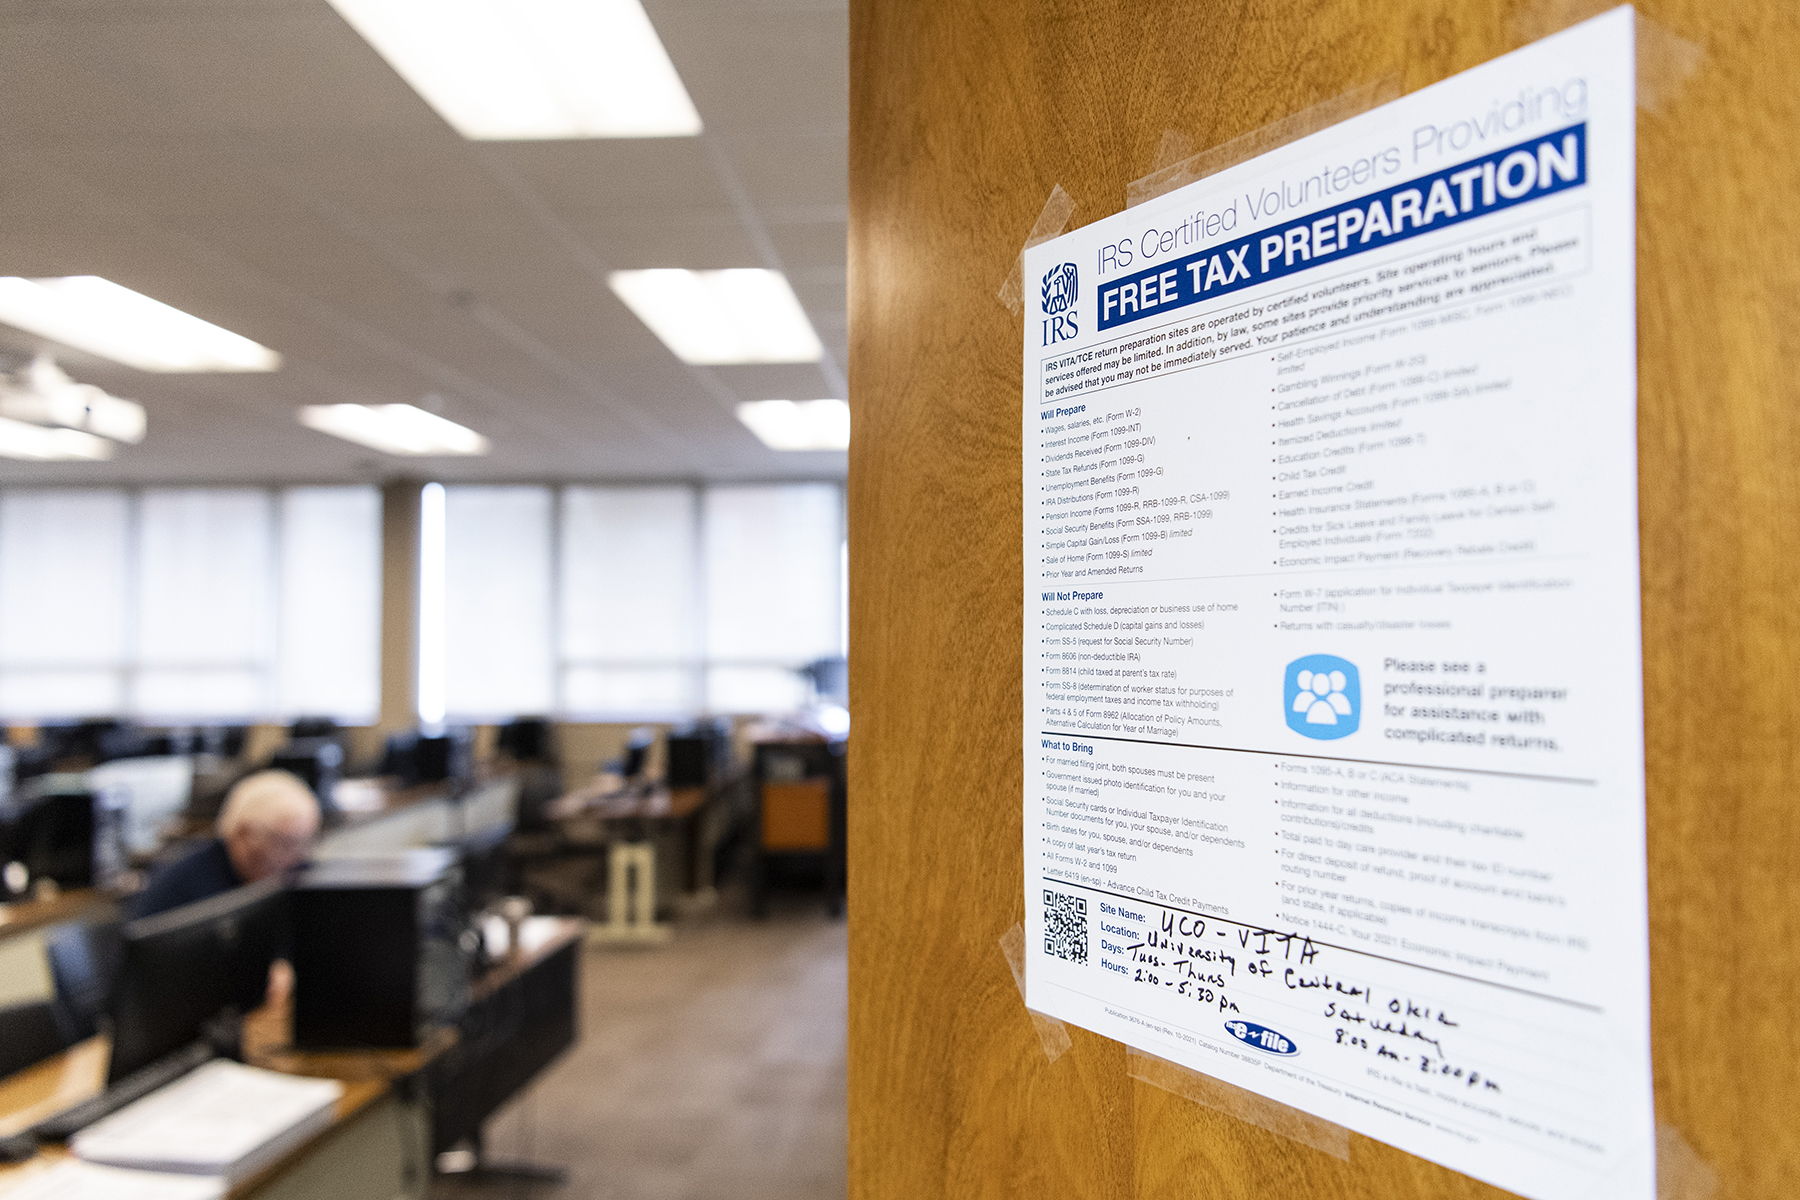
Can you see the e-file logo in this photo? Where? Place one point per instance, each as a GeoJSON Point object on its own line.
{"type": "Point", "coordinates": [1323, 697]}
{"type": "Point", "coordinates": [1057, 296]}
{"type": "Point", "coordinates": [1261, 1037]}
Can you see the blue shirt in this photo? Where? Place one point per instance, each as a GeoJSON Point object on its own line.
{"type": "Point", "coordinates": [198, 873]}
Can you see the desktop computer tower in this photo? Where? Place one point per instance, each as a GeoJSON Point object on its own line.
{"type": "Point", "coordinates": [380, 955]}
{"type": "Point", "coordinates": [698, 753]}
{"type": "Point", "coordinates": [689, 762]}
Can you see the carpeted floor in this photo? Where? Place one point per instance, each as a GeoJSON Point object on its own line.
{"type": "Point", "coordinates": [709, 1069]}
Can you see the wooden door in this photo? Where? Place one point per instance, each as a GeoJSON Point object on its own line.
{"type": "Point", "coordinates": [965, 113]}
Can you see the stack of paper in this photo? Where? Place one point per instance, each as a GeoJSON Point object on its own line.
{"type": "Point", "coordinates": [223, 1120]}
{"type": "Point", "coordinates": [72, 1180]}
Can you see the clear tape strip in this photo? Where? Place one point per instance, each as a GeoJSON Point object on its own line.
{"type": "Point", "coordinates": [1284, 1120]}
{"type": "Point", "coordinates": [1665, 60]}
{"type": "Point", "coordinates": [1052, 220]}
{"type": "Point", "coordinates": [1681, 1174]}
{"type": "Point", "coordinates": [1052, 1033]}
{"type": "Point", "coordinates": [1179, 164]}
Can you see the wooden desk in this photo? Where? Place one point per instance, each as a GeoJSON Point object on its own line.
{"type": "Point", "coordinates": [371, 798]}
{"type": "Point", "coordinates": [655, 803]}
{"type": "Point", "coordinates": [22, 916]}
{"type": "Point", "coordinates": [371, 1151]}
{"type": "Point", "coordinates": [377, 1144]}
{"type": "Point", "coordinates": [374, 1147]}
{"type": "Point", "coordinates": [540, 938]}
{"type": "Point", "coordinates": [638, 828]}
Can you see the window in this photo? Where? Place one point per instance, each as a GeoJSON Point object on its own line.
{"type": "Point", "coordinates": [64, 563]}
{"type": "Point", "coordinates": [203, 597]}
{"type": "Point", "coordinates": [497, 589]}
{"type": "Point", "coordinates": [629, 635]}
{"type": "Point", "coordinates": [771, 570]}
{"type": "Point", "coordinates": [636, 601]}
{"type": "Point", "coordinates": [189, 604]}
{"type": "Point", "coordinates": [328, 645]}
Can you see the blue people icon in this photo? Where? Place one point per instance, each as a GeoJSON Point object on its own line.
{"type": "Point", "coordinates": [1323, 697]}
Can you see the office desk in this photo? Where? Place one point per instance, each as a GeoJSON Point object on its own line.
{"type": "Point", "coordinates": [596, 815]}
{"type": "Point", "coordinates": [374, 1148]}
{"type": "Point", "coordinates": [23, 916]}
{"type": "Point", "coordinates": [651, 835]}
{"type": "Point", "coordinates": [524, 1013]}
{"type": "Point", "coordinates": [357, 802]}
{"type": "Point", "coordinates": [379, 818]}
{"type": "Point", "coordinates": [398, 1105]}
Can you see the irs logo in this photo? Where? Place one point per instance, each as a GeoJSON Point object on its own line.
{"type": "Point", "coordinates": [1057, 297]}
{"type": "Point", "coordinates": [1061, 287]}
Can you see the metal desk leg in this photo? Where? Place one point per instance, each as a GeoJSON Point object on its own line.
{"type": "Point", "coordinates": [631, 898]}
{"type": "Point", "coordinates": [474, 1165]}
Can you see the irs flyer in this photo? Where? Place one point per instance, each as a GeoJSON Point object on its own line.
{"type": "Point", "coordinates": [1333, 732]}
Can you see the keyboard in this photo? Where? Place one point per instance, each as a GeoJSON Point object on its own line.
{"type": "Point", "coordinates": [64, 1125]}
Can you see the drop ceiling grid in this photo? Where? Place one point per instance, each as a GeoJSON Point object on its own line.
{"type": "Point", "coordinates": [260, 162]}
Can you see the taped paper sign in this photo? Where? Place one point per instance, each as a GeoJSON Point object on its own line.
{"type": "Point", "coordinates": [1333, 713]}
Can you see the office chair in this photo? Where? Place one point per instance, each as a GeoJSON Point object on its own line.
{"type": "Point", "coordinates": [84, 959]}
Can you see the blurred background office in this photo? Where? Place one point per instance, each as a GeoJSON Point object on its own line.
{"type": "Point", "coordinates": [443, 405]}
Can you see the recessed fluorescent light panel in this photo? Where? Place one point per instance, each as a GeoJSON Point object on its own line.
{"type": "Point", "coordinates": [393, 428]}
{"type": "Point", "coordinates": [101, 317]}
{"type": "Point", "coordinates": [747, 315]}
{"type": "Point", "coordinates": [518, 70]}
{"type": "Point", "coordinates": [38, 444]}
{"type": "Point", "coordinates": [798, 424]}
{"type": "Point", "coordinates": [43, 394]}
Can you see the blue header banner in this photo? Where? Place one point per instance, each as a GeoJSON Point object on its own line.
{"type": "Point", "coordinates": [1520, 173]}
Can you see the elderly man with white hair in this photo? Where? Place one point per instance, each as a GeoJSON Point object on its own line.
{"type": "Point", "coordinates": [265, 829]}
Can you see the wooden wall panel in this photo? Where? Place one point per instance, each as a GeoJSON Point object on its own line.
{"type": "Point", "coordinates": [964, 114]}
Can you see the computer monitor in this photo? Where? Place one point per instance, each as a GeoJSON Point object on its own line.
{"type": "Point", "coordinates": [118, 740]}
{"type": "Point", "coordinates": [151, 792]}
{"type": "Point", "coordinates": [303, 728]}
{"type": "Point", "coordinates": [82, 745]}
{"type": "Point", "coordinates": [482, 857]}
{"type": "Point", "coordinates": [14, 879]}
{"type": "Point", "coordinates": [83, 956]}
{"type": "Point", "coordinates": [443, 757]}
{"type": "Point", "coordinates": [319, 763]}
{"type": "Point", "coordinates": [186, 974]}
{"type": "Point", "coordinates": [227, 741]}
{"type": "Point", "coordinates": [637, 754]}
{"type": "Point", "coordinates": [697, 753]}
{"type": "Point", "coordinates": [62, 833]}
{"type": "Point", "coordinates": [416, 758]}
{"type": "Point", "coordinates": [527, 740]}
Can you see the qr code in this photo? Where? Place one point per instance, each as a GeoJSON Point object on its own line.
{"type": "Point", "coordinates": [1065, 927]}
